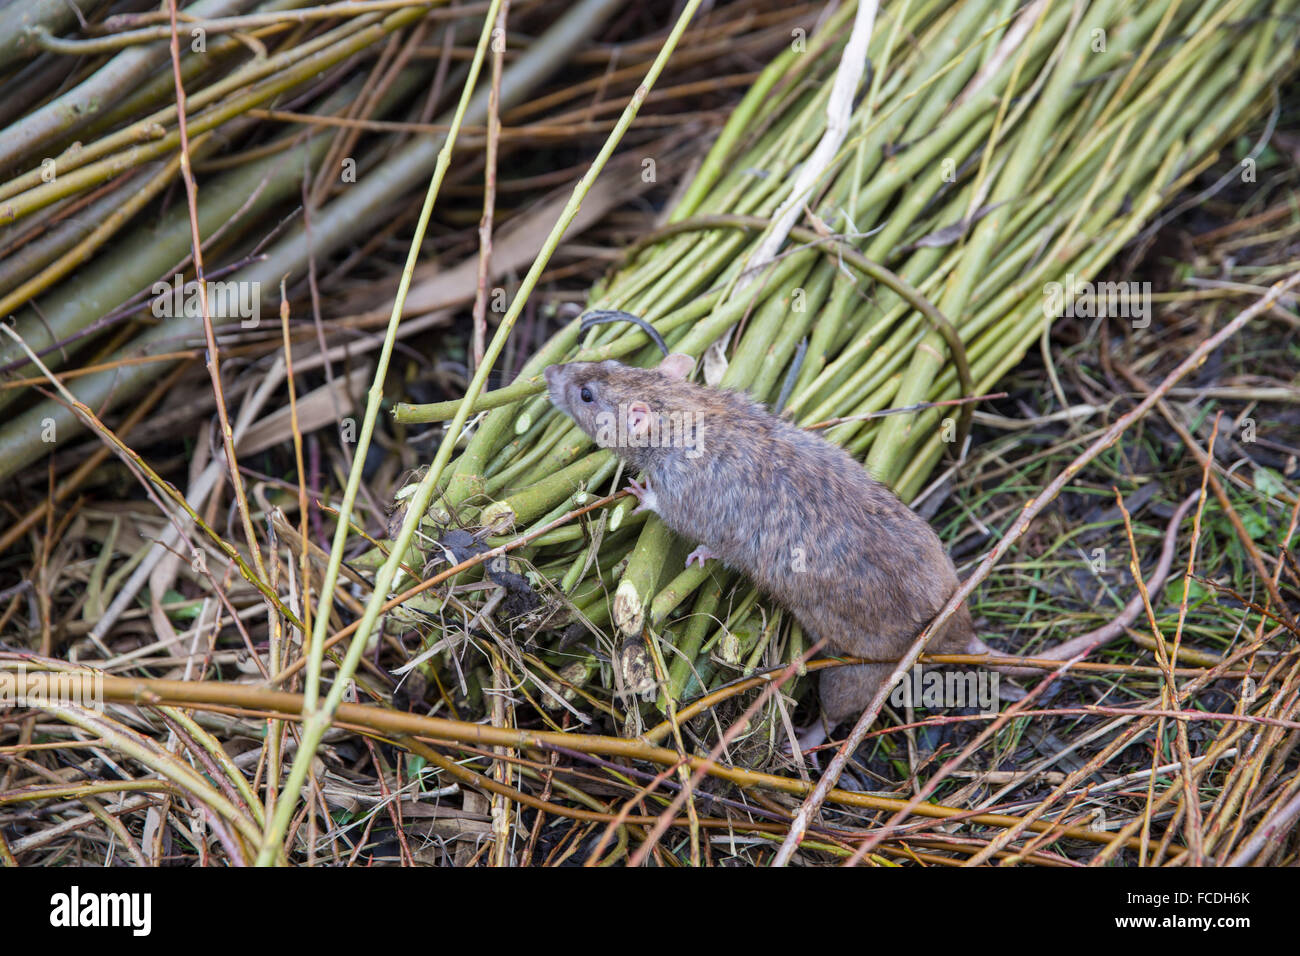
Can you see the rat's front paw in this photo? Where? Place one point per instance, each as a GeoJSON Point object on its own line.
{"type": "Point", "coordinates": [644, 495]}
{"type": "Point", "coordinates": [700, 554]}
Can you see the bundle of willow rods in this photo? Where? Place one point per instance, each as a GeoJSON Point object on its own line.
{"type": "Point", "coordinates": [992, 148]}
{"type": "Point", "coordinates": [89, 164]}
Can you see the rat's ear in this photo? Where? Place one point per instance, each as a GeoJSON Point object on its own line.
{"type": "Point", "coordinates": [677, 366]}
{"type": "Point", "coordinates": [638, 419]}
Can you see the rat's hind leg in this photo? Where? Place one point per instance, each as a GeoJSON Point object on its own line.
{"type": "Point", "coordinates": [846, 691]}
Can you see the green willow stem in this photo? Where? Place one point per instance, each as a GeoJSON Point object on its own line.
{"type": "Point", "coordinates": [149, 139]}
{"type": "Point", "coordinates": [835, 246]}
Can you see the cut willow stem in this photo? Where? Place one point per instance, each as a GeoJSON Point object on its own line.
{"type": "Point", "coordinates": [154, 125]}
{"type": "Point", "coordinates": [42, 37]}
{"type": "Point", "coordinates": [136, 198]}
{"type": "Point", "coordinates": [18, 19]}
{"type": "Point", "coordinates": [149, 139]}
{"type": "Point", "coordinates": [832, 246]}
{"type": "Point", "coordinates": [65, 113]}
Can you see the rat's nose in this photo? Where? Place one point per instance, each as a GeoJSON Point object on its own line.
{"type": "Point", "coordinates": [555, 384]}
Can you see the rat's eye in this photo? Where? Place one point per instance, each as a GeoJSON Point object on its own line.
{"type": "Point", "coordinates": [585, 394]}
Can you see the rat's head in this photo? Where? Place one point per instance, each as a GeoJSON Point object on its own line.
{"type": "Point", "coordinates": [619, 406]}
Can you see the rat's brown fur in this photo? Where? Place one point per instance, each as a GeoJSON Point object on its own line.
{"type": "Point", "coordinates": [795, 513]}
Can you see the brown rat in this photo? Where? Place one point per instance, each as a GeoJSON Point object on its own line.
{"type": "Point", "coordinates": [795, 513]}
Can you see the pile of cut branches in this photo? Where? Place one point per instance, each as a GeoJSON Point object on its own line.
{"type": "Point", "coordinates": [985, 169]}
